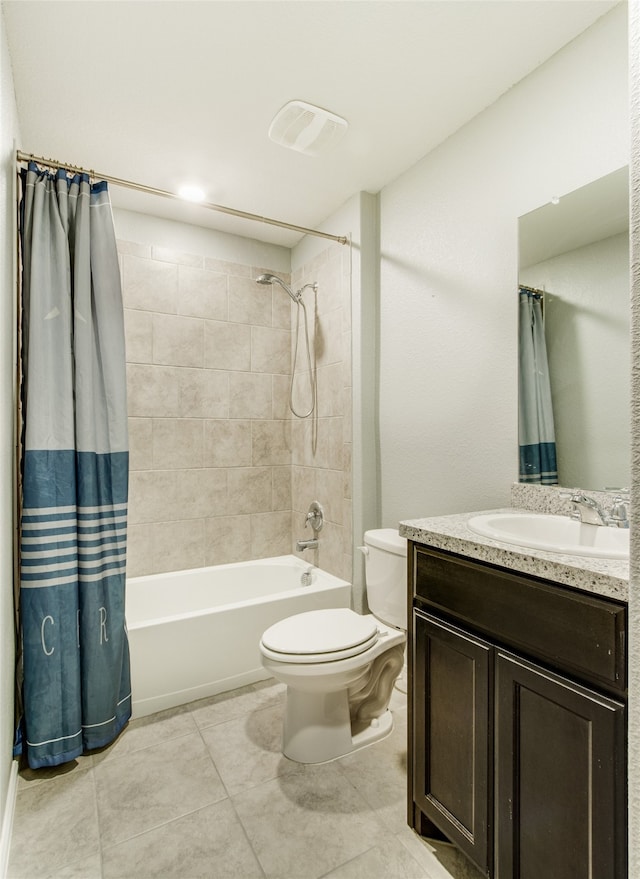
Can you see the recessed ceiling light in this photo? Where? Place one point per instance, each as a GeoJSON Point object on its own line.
{"type": "Point", "coordinates": [191, 192]}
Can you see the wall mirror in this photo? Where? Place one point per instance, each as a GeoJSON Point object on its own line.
{"type": "Point", "coordinates": [577, 252]}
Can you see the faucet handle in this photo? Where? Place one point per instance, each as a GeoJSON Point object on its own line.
{"type": "Point", "coordinates": [572, 497]}
{"type": "Point", "coordinates": [315, 517]}
{"type": "Point", "coordinates": [618, 513]}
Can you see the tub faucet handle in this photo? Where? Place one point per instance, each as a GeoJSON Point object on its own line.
{"type": "Point", "coordinates": [315, 517]}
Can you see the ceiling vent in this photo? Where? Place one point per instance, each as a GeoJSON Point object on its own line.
{"type": "Point", "coordinates": [308, 129]}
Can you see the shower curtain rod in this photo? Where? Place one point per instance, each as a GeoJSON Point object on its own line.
{"type": "Point", "coordinates": [140, 187]}
{"type": "Point", "coordinates": [532, 290]}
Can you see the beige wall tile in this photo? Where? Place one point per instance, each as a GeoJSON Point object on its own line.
{"type": "Point", "coordinates": [280, 385]}
{"type": "Point", "coordinates": [202, 293]}
{"type": "Point", "coordinates": [138, 336]}
{"type": "Point", "coordinates": [303, 488]}
{"type": "Point", "coordinates": [178, 341]}
{"type": "Point", "coordinates": [249, 490]}
{"type": "Point", "coordinates": [347, 473]}
{"type": "Point", "coordinates": [133, 248]}
{"type": "Point", "coordinates": [330, 493]}
{"type": "Point", "coordinates": [228, 268]}
{"type": "Point", "coordinates": [201, 494]}
{"type": "Point", "coordinates": [152, 496]}
{"type": "Point", "coordinates": [140, 443]}
{"type": "Point", "coordinates": [178, 443]}
{"type": "Point", "coordinates": [347, 370]}
{"type": "Point", "coordinates": [347, 528]}
{"type": "Point", "coordinates": [329, 280]}
{"type": "Point", "coordinates": [249, 303]}
{"type": "Point", "coordinates": [329, 453]}
{"type": "Point", "coordinates": [179, 257]}
{"type": "Point", "coordinates": [227, 443]}
{"type": "Point", "coordinates": [149, 284]}
{"type": "Point", "coordinates": [270, 350]}
{"type": "Point", "coordinates": [281, 487]}
{"type": "Point", "coordinates": [303, 431]}
{"type": "Point", "coordinates": [270, 535]}
{"type": "Point", "coordinates": [330, 390]}
{"type": "Point", "coordinates": [330, 554]}
{"type": "Point", "coordinates": [347, 413]}
{"type": "Point", "coordinates": [283, 311]}
{"type": "Point", "coordinates": [271, 443]}
{"type": "Point", "coordinates": [178, 546]}
{"type": "Point", "coordinates": [140, 557]}
{"type": "Point", "coordinates": [329, 349]}
{"type": "Point", "coordinates": [249, 395]}
{"type": "Point", "coordinates": [153, 390]}
{"type": "Point", "coordinates": [227, 540]}
{"type": "Point", "coordinates": [227, 346]}
{"type": "Point", "coordinates": [204, 393]}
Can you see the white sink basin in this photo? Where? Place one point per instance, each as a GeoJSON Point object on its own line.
{"type": "Point", "coordinates": [553, 534]}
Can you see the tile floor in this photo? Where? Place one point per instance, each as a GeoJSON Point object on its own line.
{"type": "Point", "coordinates": [204, 791]}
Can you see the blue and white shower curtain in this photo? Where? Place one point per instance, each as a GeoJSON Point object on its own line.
{"type": "Point", "coordinates": [76, 692]}
{"type": "Point", "coordinates": [536, 429]}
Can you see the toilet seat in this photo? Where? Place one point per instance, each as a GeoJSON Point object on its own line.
{"type": "Point", "coordinates": [320, 636]}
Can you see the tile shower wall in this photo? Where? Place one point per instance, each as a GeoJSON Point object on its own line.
{"type": "Point", "coordinates": [214, 448]}
{"type": "Point", "coordinates": [322, 444]}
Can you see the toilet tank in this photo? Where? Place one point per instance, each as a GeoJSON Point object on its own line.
{"type": "Point", "coordinates": [385, 555]}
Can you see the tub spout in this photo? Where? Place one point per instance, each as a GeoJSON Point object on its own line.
{"type": "Point", "coordinates": [301, 545]}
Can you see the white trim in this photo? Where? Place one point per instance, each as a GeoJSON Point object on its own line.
{"type": "Point", "coordinates": [7, 822]}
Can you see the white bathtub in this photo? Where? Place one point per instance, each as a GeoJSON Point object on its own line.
{"type": "Point", "coordinates": [195, 633]}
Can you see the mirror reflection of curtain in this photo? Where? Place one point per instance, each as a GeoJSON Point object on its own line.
{"type": "Point", "coordinates": [535, 414]}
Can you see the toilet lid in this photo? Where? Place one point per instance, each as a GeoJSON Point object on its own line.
{"type": "Point", "coordinates": [320, 635]}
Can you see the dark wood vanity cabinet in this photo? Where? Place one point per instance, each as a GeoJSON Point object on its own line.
{"type": "Point", "coordinates": [517, 746]}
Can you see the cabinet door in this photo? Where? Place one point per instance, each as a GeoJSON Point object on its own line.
{"type": "Point", "coordinates": [559, 789]}
{"type": "Point", "coordinates": [451, 734]}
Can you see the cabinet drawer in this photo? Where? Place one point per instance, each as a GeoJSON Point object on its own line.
{"type": "Point", "coordinates": [572, 631]}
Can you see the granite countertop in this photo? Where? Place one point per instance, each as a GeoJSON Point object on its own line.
{"type": "Point", "coordinates": [607, 577]}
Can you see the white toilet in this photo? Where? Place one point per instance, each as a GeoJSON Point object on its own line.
{"type": "Point", "coordinates": [340, 666]}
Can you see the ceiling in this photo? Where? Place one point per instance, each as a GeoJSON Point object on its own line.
{"type": "Point", "coordinates": [166, 92]}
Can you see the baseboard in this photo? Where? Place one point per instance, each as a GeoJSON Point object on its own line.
{"type": "Point", "coordinates": [7, 823]}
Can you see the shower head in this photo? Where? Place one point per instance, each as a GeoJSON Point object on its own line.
{"type": "Point", "coordinates": [270, 279]}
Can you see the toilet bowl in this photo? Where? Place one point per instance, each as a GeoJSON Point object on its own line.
{"type": "Point", "coordinates": [340, 666]}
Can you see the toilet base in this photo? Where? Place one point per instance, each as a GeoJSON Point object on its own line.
{"type": "Point", "coordinates": [317, 729]}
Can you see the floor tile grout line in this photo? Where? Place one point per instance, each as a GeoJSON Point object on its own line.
{"type": "Point", "coordinates": [344, 863]}
{"type": "Point", "coordinates": [106, 848]}
{"type": "Point", "coordinates": [246, 836]}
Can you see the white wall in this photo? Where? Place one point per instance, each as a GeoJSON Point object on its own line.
{"type": "Point", "coordinates": [587, 332]}
{"type": "Point", "coordinates": [8, 134]}
{"type": "Point", "coordinates": [448, 387]}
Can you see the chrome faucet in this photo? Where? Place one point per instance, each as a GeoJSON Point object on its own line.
{"type": "Point", "coordinates": [301, 545]}
{"type": "Point", "coordinates": [587, 510]}
{"type": "Point", "coordinates": [618, 514]}
{"type": "Point", "coordinates": [591, 513]}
